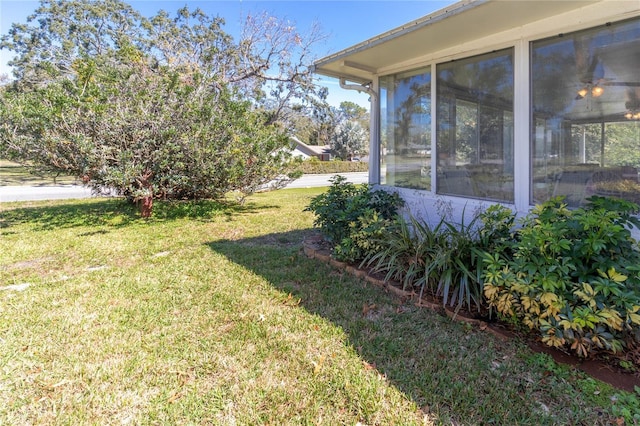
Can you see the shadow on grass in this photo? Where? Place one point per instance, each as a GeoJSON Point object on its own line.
{"type": "Point", "coordinates": [13, 174]}
{"type": "Point", "coordinates": [447, 368]}
{"type": "Point", "coordinates": [118, 213]}
{"type": "Point", "coordinates": [389, 334]}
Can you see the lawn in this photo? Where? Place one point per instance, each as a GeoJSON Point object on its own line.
{"type": "Point", "coordinates": [13, 174]}
{"type": "Point", "coordinates": [209, 313]}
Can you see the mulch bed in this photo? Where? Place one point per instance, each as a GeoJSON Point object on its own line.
{"type": "Point", "coordinates": [604, 367]}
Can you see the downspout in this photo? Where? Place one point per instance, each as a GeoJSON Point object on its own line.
{"type": "Point", "coordinates": [374, 127]}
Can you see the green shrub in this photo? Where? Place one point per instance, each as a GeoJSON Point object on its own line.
{"type": "Point", "coordinates": [366, 236]}
{"type": "Point", "coordinates": [405, 252]}
{"type": "Point", "coordinates": [337, 207]}
{"type": "Point", "coordinates": [454, 268]}
{"type": "Point", "coordinates": [497, 230]}
{"type": "Point", "coordinates": [353, 216]}
{"type": "Point", "coordinates": [573, 275]}
{"type": "Point", "coordinates": [314, 166]}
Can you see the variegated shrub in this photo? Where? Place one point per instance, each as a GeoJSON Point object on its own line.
{"type": "Point", "coordinates": [574, 275]}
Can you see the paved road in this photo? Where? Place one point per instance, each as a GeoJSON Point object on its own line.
{"type": "Point", "coordinates": [32, 193]}
{"type": "Point", "coordinates": [308, 181]}
{"type": "Point", "coordinates": [60, 192]}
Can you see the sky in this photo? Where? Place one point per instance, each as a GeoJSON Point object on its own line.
{"type": "Point", "coordinates": [345, 23]}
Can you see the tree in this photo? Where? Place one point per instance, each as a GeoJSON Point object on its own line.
{"type": "Point", "coordinates": [352, 111]}
{"type": "Point", "coordinates": [153, 108]}
{"type": "Point", "coordinates": [325, 119]}
{"type": "Point", "coordinates": [350, 139]}
{"type": "Point", "coordinates": [621, 145]}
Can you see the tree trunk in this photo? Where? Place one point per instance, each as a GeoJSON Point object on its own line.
{"type": "Point", "coordinates": [146, 207]}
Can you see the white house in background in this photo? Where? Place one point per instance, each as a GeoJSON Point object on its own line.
{"type": "Point", "coordinates": [511, 102]}
{"type": "Point", "coordinates": [304, 151]}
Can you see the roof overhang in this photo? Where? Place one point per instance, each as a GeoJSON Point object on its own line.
{"type": "Point", "coordinates": [464, 21]}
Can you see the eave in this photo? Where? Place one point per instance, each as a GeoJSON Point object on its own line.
{"type": "Point", "coordinates": [460, 23]}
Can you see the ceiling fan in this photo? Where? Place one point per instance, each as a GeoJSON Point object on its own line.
{"type": "Point", "coordinates": [593, 82]}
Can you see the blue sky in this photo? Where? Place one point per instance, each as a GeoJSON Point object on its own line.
{"type": "Point", "coordinates": [345, 22]}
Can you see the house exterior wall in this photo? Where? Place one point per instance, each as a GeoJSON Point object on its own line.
{"type": "Point", "coordinates": [301, 149]}
{"type": "Point", "coordinates": [427, 203]}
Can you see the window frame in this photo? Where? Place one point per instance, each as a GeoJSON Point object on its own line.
{"type": "Point", "coordinates": [576, 180]}
{"type": "Point", "coordinates": [418, 71]}
{"type": "Point", "coordinates": [520, 40]}
{"type": "Point", "coordinates": [474, 178]}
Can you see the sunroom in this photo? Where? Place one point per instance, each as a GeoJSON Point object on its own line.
{"type": "Point", "coordinates": [511, 102]}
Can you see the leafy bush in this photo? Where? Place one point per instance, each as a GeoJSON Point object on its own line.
{"type": "Point", "coordinates": [342, 204]}
{"type": "Point", "coordinates": [123, 111]}
{"type": "Point", "coordinates": [351, 216]}
{"type": "Point", "coordinates": [496, 232]}
{"type": "Point", "coordinates": [406, 252]}
{"type": "Point", "coordinates": [315, 166]}
{"type": "Point", "coordinates": [574, 275]}
{"type": "Point", "coordinates": [366, 236]}
{"type": "Point", "coordinates": [455, 267]}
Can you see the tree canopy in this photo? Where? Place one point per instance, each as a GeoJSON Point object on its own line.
{"type": "Point", "coordinates": [161, 107]}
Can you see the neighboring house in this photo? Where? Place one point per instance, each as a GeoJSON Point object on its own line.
{"type": "Point", "coordinates": [304, 151]}
{"type": "Point", "coordinates": [512, 102]}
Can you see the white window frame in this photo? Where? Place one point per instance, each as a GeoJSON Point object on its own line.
{"type": "Point", "coordinates": [520, 40]}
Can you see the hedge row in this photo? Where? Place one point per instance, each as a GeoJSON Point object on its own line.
{"type": "Point", "coordinates": [315, 166]}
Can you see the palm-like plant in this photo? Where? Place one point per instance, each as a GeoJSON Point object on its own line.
{"type": "Point", "coordinates": [440, 259]}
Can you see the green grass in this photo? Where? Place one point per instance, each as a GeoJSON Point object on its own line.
{"type": "Point", "coordinates": [13, 174]}
{"type": "Point", "coordinates": [210, 314]}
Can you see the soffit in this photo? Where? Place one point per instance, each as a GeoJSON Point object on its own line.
{"type": "Point", "coordinates": [461, 23]}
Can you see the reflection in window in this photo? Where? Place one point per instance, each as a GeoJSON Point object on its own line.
{"type": "Point", "coordinates": [405, 120]}
{"type": "Point", "coordinates": [475, 127]}
{"type": "Point", "coordinates": [585, 132]}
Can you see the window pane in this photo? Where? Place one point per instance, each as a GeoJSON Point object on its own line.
{"type": "Point", "coordinates": [585, 101]}
{"type": "Point", "coordinates": [475, 127]}
{"type": "Point", "coordinates": [405, 121]}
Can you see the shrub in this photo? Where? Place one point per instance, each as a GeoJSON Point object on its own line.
{"type": "Point", "coordinates": [405, 252]}
{"type": "Point", "coordinates": [366, 236]}
{"type": "Point", "coordinates": [496, 232]}
{"type": "Point", "coordinates": [454, 266]}
{"type": "Point", "coordinates": [351, 216]}
{"type": "Point", "coordinates": [573, 275]}
{"type": "Point", "coordinates": [314, 166]}
{"type": "Point", "coordinates": [441, 260]}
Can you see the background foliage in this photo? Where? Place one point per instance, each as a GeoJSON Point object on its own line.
{"type": "Point", "coordinates": [315, 166]}
{"type": "Point", "coordinates": [166, 107]}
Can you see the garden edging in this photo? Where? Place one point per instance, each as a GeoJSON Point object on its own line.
{"type": "Point", "coordinates": [314, 247]}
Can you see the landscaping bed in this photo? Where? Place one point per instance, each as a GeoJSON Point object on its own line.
{"type": "Point", "coordinates": [603, 367]}
{"type": "Point", "coordinates": [567, 280]}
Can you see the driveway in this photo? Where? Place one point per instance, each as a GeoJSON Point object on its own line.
{"type": "Point", "coordinates": [309, 181]}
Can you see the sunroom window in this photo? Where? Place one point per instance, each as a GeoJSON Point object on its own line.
{"type": "Point", "coordinates": [475, 127]}
{"type": "Point", "coordinates": [585, 136]}
{"type": "Point", "coordinates": [405, 121]}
